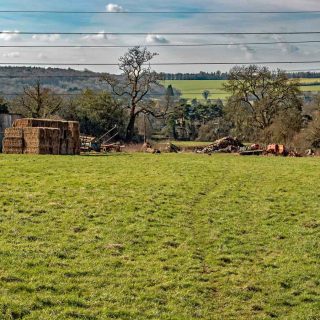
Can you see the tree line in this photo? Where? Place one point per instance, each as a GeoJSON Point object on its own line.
{"type": "Point", "coordinates": [263, 106]}
{"type": "Point", "coordinates": [218, 75]}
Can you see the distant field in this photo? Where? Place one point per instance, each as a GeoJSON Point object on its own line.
{"type": "Point", "coordinates": [191, 89]}
{"type": "Point", "coordinates": [170, 237]}
{"type": "Point", "coordinates": [314, 88]}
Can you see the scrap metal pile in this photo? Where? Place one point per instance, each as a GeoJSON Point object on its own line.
{"type": "Point", "coordinates": [234, 145]}
{"type": "Point", "coordinates": [224, 145]}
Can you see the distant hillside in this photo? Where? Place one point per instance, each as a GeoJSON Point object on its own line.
{"type": "Point", "coordinates": [70, 81]}
{"type": "Point", "coordinates": [65, 81]}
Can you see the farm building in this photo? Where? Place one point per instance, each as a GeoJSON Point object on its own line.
{"type": "Point", "coordinates": [6, 121]}
{"type": "Point", "coordinates": [42, 136]}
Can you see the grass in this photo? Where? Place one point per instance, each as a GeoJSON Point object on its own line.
{"type": "Point", "coordinates": [174, 236]}
{"type": "Point", "coordinates": [191, 89]}
{"type": "Point", "coordinates": [191, 143]}
{"type": "Point", "coordinates": [187, 145]}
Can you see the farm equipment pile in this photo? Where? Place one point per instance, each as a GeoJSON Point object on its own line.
{"type": "Point", "coordinates": [101, 144]}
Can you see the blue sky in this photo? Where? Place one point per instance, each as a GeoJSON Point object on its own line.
{"type": "Point", "coordinates": [159, 24]}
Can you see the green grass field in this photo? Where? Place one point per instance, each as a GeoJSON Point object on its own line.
{"type": "Point", "coordinates": [191, 89]}
{"type": "Point", "coordinates": [174, 236]}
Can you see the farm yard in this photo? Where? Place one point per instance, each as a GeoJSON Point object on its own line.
{"type": "Point", "coordinates": [192, 89]}
{"type": "Point", "coordinates": [171, 236]}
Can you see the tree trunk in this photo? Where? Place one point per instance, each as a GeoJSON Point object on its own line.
{"type": "Point", "coordinates": [130, 127]}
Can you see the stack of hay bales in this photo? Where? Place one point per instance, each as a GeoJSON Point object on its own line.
{"type": "Point", "coordinates": [42, 136]}
{"type": "Point", "coordinates": [41, 140]}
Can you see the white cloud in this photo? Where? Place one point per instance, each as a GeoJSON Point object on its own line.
{"type": "Point", "coordinates": [96, 37]}
{"type": "Point", "coordinates": [285, 47]}
{"type": "Point", "coordinates": [11, 54]}
{"type": "Point", "coordinates": [111, 7]}
{"type": "Point", "coordinates": [9, 36]}
{"type": "Point", "coordinates": [151, 38]}
{"type": "Point", "coordinates": [41, 55]}
{"type": "Point", "coordinates": [248, 51]}
{"type": "Point", "coordinates": [46, 37]}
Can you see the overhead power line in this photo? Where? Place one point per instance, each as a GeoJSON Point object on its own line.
{"type": "Point", "coordinates": [77, 94]}
{"type": "Point", "coordinates": [160, 63]}
{"type": "Point", "coordinates": [50, 76]}
{"type": "Point", "coordinates": [158, 12]}
{"type": "Point", "coordinates": [163, 45]}
{"type": "Point", "coordinates": [157, 33]}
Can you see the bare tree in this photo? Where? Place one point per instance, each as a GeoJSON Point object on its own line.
{"type": "Point", "coordinates": [134, 84]}
{"type": "Point", "coordinates": [39, 102]}
{"type": "Point", "coordinates": [261, 94]}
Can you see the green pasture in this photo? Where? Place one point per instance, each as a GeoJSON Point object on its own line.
{"type": "Point", "coordinates": [170, 236]}
{"type": "Point", "coordinates": [191, 89]}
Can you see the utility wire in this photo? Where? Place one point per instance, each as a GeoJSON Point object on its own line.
{"type": "Point", "coordinates": [162, 45]}
{"type": "Point", "coordinates": [157, 33]}
{"type": "Point", "coordinates": [158, 12]}
{"type": "Point", "coordinates": [161, 63]}
{"type": "Point", "coordinates": [100, 76]}
{"type": "Point", "coordinates": [77, 94]}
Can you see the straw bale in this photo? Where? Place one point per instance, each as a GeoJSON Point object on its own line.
{"type": "Point", "coordinates": [37, 150]}
{"type": "Point", "coordinates": [70, 146]}
{"type": "Point", "coordinates": [12, 145]}
{"type": "Point", "coordinates": [22, 123]}
{"type": "Point", "coordinates": [14, 133]}
{"type": "Point", "coordinates": [12, 150]}
{"type": "Point", "coordinates": [13, 142]}
{"type": "Point", "coordinates": [63, 147]}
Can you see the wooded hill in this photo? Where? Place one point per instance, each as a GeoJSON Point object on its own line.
{"type": "Point", "coordinates": [65, 81]}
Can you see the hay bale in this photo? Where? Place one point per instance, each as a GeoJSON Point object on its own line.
{"type": "Point", "coordinates": [74, 129]}
{"type": "Point", "coordinates": [63, 147]}
{"type": "Point", "coordinates": [70, 146]}
{"type": "Point", "coordinates": [12, 150]}
{"type": "Point", "coordinates": [14, 133]}
{"type": "Point", "coordinates": [12, 145]}
{"type": "Point", "coordinates": [13, 141]}
{"type": "Point", "coordinates": [22, 123]}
